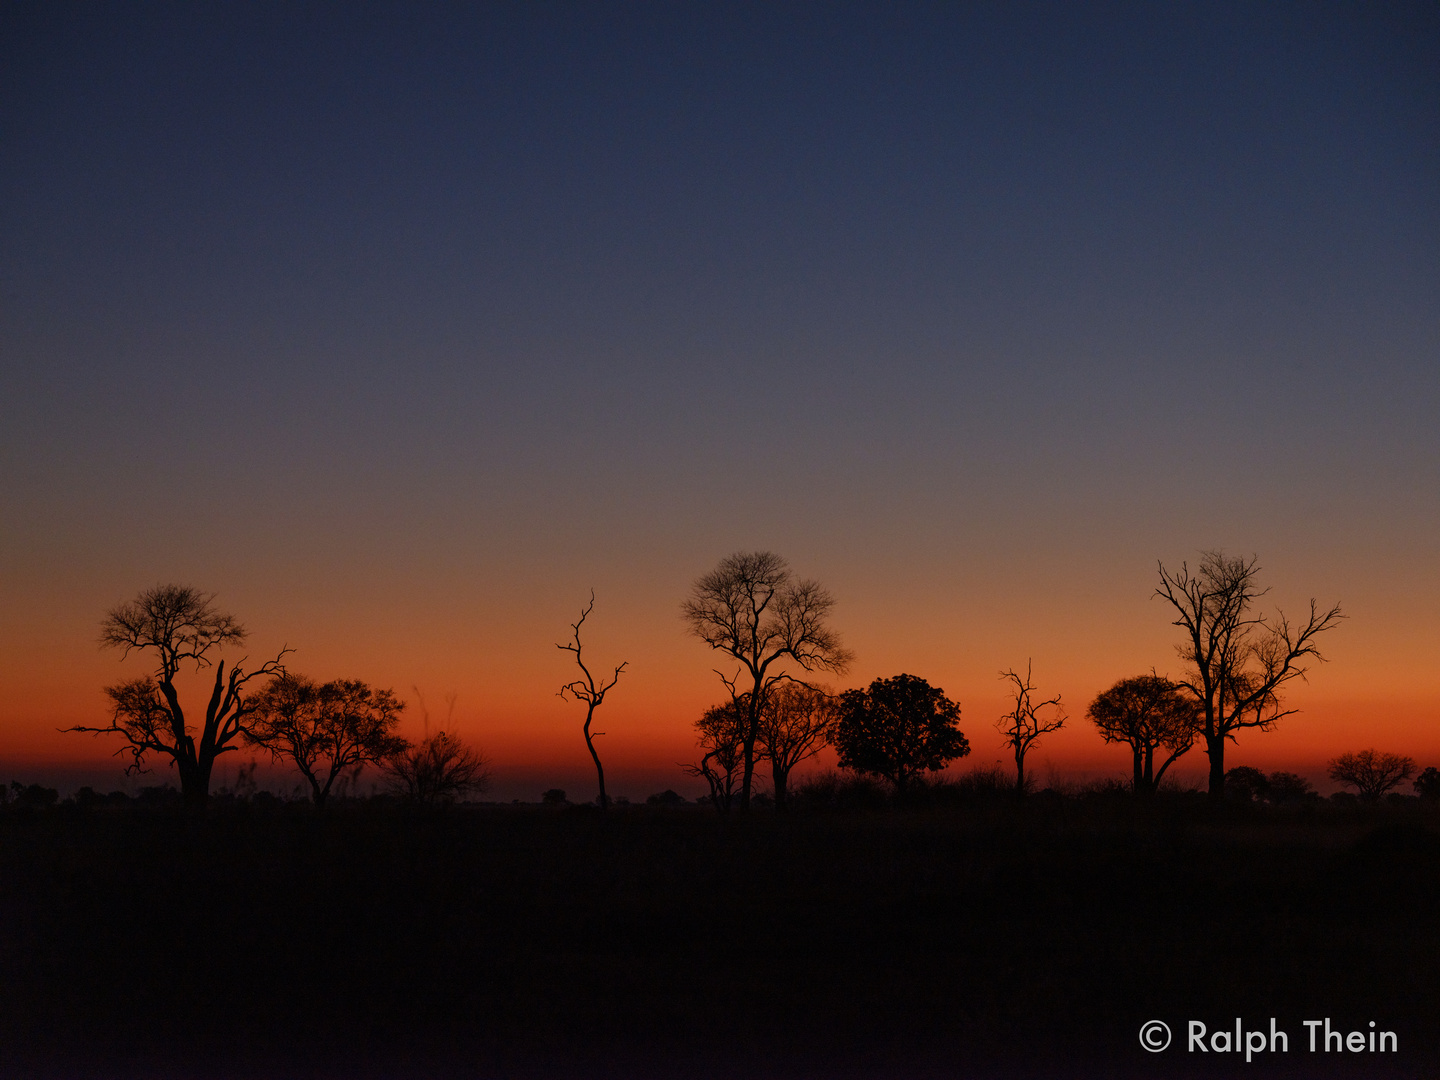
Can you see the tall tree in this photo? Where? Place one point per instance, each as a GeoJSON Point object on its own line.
{"type": "Point", "coordinates": [327, 730]}
{"type": "Point", "coordinates": [1023, 725]}
{"type": "Point", "coordinates": [179, 626]}
{"type": "Point", "coordinates": [1147, 712]}
{"type": "Point", "coordinates": [1238, 661]}
{"type": "Point", "coordinates": [795, 724]}
{"type": "Point", "coordinates": [591, 691]}
{"type": "Point", "coordinates": [898, 728]}
{"type": "Point", "coordinates": [752, 608]}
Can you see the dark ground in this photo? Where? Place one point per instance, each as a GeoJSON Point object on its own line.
{"type": "Point", "coordinates": [977, 940]}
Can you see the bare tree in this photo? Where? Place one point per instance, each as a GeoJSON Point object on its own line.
{"type": "Point", "coordinates": [722, 740]}
{"type": "Point", "coordinates": [795, 723]}
{"type": "Point", "coordinates": [179, 626]}
{"type": "Point", "coordinates": [591, 692]}
{"type": "Point", "coordinates": [752, 608]}
{"type": "Point", "coordinates": [328, 730]}
{"type": "Point", "coordinates": [1147, 712]}
{"type": "Point", "coordinates": [1023, 726]}
{"type": "Point", "coordinates": [1371, 772]}
{"type": "Point", "coordinates": [1238, 660]}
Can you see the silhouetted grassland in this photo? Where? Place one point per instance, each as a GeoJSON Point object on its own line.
{"type": "Point", "coordinates": [965, 934]}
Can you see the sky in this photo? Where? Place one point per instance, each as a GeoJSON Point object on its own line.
{"type": "Point", "coordinates": [401, 328]}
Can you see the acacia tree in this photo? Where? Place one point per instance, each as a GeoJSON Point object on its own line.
{"type": "Point", "coordinates": [591, 692]}
{"type": "Point", "coordinates": [898, 728]}
{"type": "Point", "coordinates": [752, 608]}
{"type": "Point", "coordinates": [1238, 661]}
{"type": "Point", "coordinates": [1023, 726]}
{"type": "Point", "coordinates": [1371, 772]}
{"type": "Point", "coordinates": [327, 730]}
{"type": "Point", "coordinates": [722, 738]}
{"type": "Point", "coordinates": [1147, 712]}
{"type": "Point", "coordinates": [795, 723]}
{"type": "Point", "coordinates": [179, 626]}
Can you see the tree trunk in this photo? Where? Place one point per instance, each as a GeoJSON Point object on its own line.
{"type": "Point", "coordinates": [752, 724]}
{"type": "Point", "coordinates": [780, 778]}
{"type": "Point", "coordinates": [194, 784]}
{"type": "Point", "coordinates": [599, 769]}
{"type": "Point", "coordinates": [1137, 785]}
{"type": "Point", "coordinates": [1215, 747]}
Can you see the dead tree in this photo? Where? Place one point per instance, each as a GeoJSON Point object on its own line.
{"type": "Point", "coordinates": [1023, 726]}
{"type": "Point", "coordinates": [1238, 661]}
{"type": "Point", "coordinates": [179, 626]}
{"type": "Point", "coordinates": [753, 609]}
{"type": "Point", "coordinates": [590, 691]}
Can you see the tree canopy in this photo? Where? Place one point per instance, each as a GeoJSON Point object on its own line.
{"type": "Point", "coordinates": [898, 728]}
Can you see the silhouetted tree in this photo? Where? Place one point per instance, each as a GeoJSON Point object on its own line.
{"type": "Point", "coordinates": [1371, 772]}
{"type": "Point", "coordinates": [1427, 784]}
{"type": "Point", "coordinates": [898, 728]}
{"type": "Point", "coordinates": [752, 608]}
{"type": "Point", "coordinates": [1287, 787]}
{"type": "Point", "coordinates": [795, 724]}
{"type": "Point", "coordinates": [179, 626]}
{"type": "Point", "coordinates": [722, 740]}
{"type": "Point", "coordinates": [591, 692]}
{"type": "Point", "coordinates": [554, 797]}
{"type": "Point", "coordinates": [327, 730]}
{"type": "Point", "coordinates": [1246, 783]}
{"type": "Point", "coordinates": [1023, 726]}
{"type": "Point", "coordinates": [1238, 661]}
{"type": "Point", "coordinates": [437, 770]}
{"type": "Point", "coordinates": [1147, 712]}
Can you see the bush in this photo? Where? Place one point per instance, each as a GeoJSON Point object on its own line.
{"type": "Point", "coordinates": [554, 797]}
{"type": "Point", "coordinates": [666, 798]}
{"type": "Point", "coordinates": [842, 791]}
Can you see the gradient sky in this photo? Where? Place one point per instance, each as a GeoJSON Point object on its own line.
{"type": "Point", "coordinates": [401, 327]}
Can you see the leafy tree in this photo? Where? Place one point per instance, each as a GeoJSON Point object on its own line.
{"type": "Point", "coordinates": [1371, 772]}
{"type": "Point", "coordinates": [722, 738]}
{"type": "Point", "coordinates": [327, 730]}
{"type": "Point", "coordinates": [1147, 712]}
{"type": "Point", "coordinates": [1427, 784]}
{"type": "Point", "coordinates": [179, 626]}
{"type": "Point", "coordinates": [752, 608]}
{"type": "Point", "coordinates": [590, 691]}
{"type": "Point", "coordinates": [795, 723]}
{"type": "Point", "coordinates": [1247, 784]}
{"type": "Point", "coordinates": [1238, 661]}
{"type": "Point", "coordinates": [437, 770]}
{"type": "Point", "coordinates": [898, 728]}
{"type": "Point", "coordinates": [1288, 787]}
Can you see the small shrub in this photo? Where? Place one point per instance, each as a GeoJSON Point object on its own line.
{"type": "Point", "coordinates": [554, 797]}
{"type": "Point", "coordinates": [665, 798]}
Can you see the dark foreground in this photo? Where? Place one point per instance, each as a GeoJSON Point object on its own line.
{"type": "Point", "coordinates": [982, 940]}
